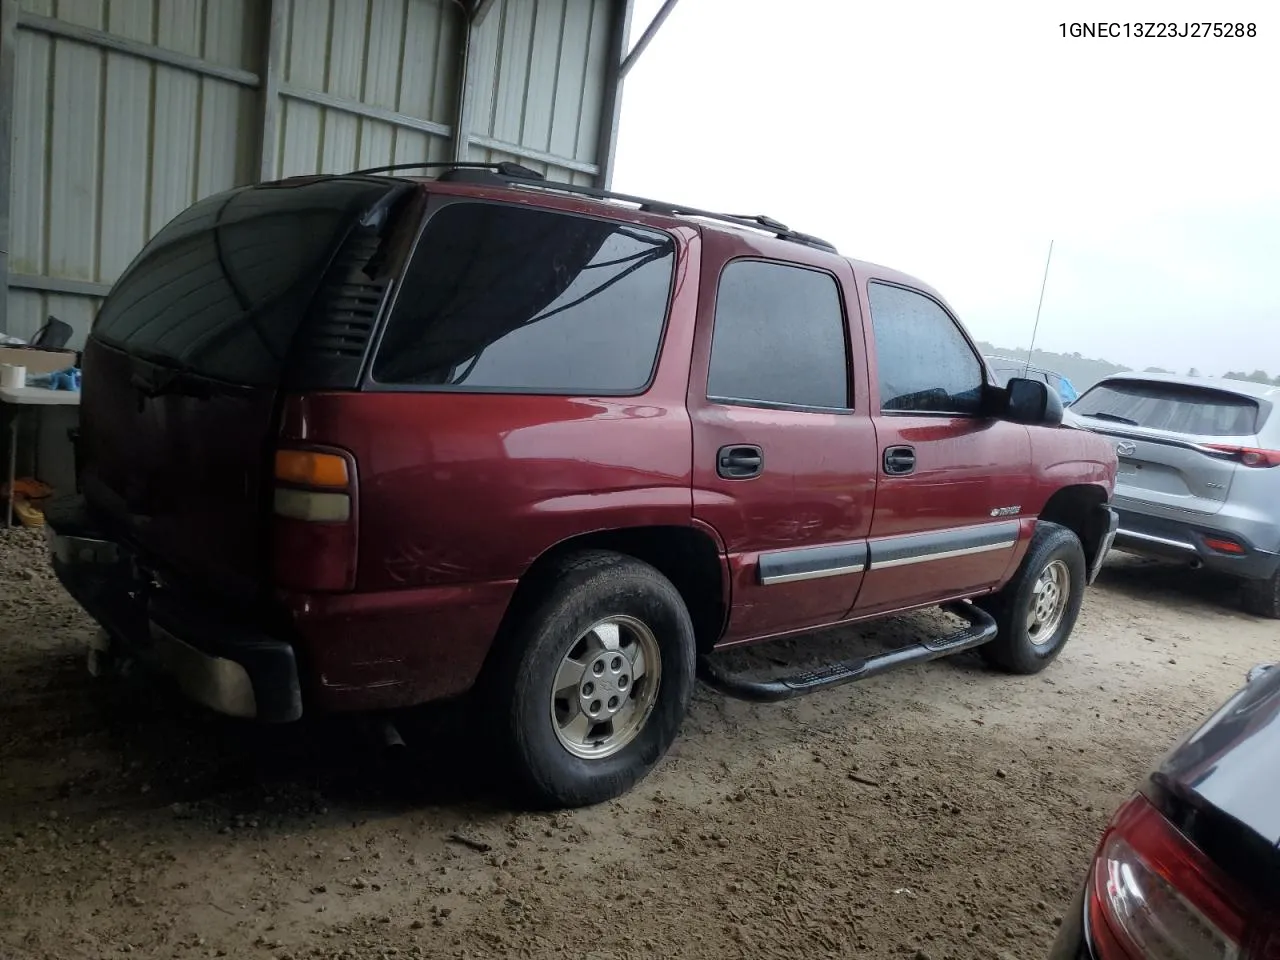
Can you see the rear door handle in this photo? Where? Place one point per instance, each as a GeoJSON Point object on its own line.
{"type": "Point", "coordinates": [899, 461]}
{"type": "Point", "coordinates": [739, 462]}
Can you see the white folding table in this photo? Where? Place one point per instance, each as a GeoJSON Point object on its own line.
{"type": "Point", "coordinates": [22, 400]}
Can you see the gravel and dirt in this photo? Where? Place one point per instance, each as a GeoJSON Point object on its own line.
{"type": "Point", "coordinates": [941, 811]}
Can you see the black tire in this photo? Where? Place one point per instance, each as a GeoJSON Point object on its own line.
{"type": "Point", "coordinates": [581, 592]}
{"type": "Point", "coordinates": [1262, 597]}
{"type": "Point", "coordinates": [1014, 649]}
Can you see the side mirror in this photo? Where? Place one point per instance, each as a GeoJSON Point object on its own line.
{"type": "Point", "coordinates": [1032, 402]}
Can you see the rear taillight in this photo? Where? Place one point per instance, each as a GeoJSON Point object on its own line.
{"type": "Point", "coordinates": [1154, 896]}
{"type": "Point", "coordinates": [1249, 456]}
{"type": "Point", "coordinates": [1219, 545]}
{"type": "Point", "coordinates": [314, 529]}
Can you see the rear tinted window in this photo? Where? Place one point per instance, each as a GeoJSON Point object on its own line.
{"type": "Point", "coordinates": [221, 290]}
{"type": "Point", "coordinates": [1178, 409]}
{"type": "Point", "coordinates": [507, 298]}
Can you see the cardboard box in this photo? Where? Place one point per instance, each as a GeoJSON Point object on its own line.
{"type": "Point", "coordinates": [37, 361]}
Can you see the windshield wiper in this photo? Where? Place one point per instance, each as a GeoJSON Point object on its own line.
{"type": "Point", "coordinates": [1113, 417]}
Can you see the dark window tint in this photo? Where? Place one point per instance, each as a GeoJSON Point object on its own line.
{"type": "Point", "coordinates": [1179, 409]}
{"type": "Point", "coordinates": [779, 337]}
{"type": "Point", "coordinates": [221, 290]}
{"type": "Point", "coordinates": [925, 363]}
{"type": "Point", "coordinates": [508, 298]}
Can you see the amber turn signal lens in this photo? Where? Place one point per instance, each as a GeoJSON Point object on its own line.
{"type": "Point", "coordinates": [311, 469]}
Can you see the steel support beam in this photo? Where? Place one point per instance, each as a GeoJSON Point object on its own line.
{"type": "Point", "coordinates": [528, 153]}
{"type": "Point", "coordinates": [479, 10]}
{"type": "Point", "coordinates": [467, 80]}
{"type": "Point", "coordinates": [8, 80]}
{"type": "Point", "coordinates": [134, 48]}
{"type": "Point", "coordinates": [269, 94]}
{"type": "Point", "coordinates": [646, 38]}
{"type": "Point", "coordinates": [358, 109]}
{"type": "Point", "coordinates": [76, 288]}
{"type": "Point", "coordinates": [611, 110]}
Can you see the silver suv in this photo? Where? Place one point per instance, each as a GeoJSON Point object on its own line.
{"type": "Point", "coordinates": [1199, 473]}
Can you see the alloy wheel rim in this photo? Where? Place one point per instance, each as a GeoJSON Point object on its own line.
{"type": "Point", "coordinates": [1049, 599]}
{"type": "Point", "coordinates": [606, 687]}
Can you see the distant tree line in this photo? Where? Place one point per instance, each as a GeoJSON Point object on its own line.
{"type": "Point", "coordinates": [1258, 376]}
{"type": "Point", "coordinates": [1084, 371]}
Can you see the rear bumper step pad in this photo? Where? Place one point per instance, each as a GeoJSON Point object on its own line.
{"type": "Point", "coordinates": [981, 628]}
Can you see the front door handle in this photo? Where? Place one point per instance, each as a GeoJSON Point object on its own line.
{"type": "Point", "coordinates": [739, 462]}
{"type": "Point", "coordinates": [899, 461]}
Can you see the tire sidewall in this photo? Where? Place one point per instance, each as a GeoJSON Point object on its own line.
{"type": "Point", "coordinates": [1262, 597]}
{"type": "Point", "coordinates": [1057, 543]}
{"type": "Point", "coordinates": [629, 589]}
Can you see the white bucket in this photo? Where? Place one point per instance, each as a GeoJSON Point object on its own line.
{"type": "Point", "coordinates": [12, 375]}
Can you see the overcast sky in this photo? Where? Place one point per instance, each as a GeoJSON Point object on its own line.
{"type": "Point", "coordinates": [954, 140]}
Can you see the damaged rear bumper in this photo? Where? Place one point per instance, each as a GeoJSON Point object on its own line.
{"type": "Point", "coordinates": [226, 664]}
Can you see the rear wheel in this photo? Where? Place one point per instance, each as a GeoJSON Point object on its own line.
{"type": "Point", "coordinates": [596, 680]}
{"type": "Point", "coordinates": [1037, 609]}
{"type": "Point", "coordinates": [1262, 597]}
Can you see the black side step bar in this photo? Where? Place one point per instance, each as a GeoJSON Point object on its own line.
{"type": "Point", "coordinates": [981, 629]}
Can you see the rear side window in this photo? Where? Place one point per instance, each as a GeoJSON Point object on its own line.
{"type": "Point", "coordinates": [779, 337]}
{"type": "Point", "coordinates": [221, 290]}
{"type": "Point", "coordinates": [925, 363]}
{"type": "Point", "coordinates": [1178, 409]}
{"type": "Point", "coordinates": [501, 298]}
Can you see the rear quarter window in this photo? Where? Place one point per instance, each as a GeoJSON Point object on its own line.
{"type": "Point", "coordinates": [1194, 411]}
{"type": "Point", "coordinates": [502, 298]}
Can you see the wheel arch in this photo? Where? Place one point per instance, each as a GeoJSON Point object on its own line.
{"type": "Point", "coordinates": [689, 556]}
{"type": "Point", "coordinates": [1076, 507]}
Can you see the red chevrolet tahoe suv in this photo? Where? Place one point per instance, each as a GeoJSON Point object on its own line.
{"type": "Point", "coordinates": [355, 443]}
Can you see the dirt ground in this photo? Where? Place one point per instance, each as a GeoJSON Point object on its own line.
{"type": "Point", "coordinates": [941, 811]}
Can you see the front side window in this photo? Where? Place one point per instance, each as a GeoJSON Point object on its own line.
{"type": "Point", "coordinates": [779, 338]}
{"type": "Point", "coordinates": [512, 299]}
{"type": "Point", "coordinates": [925, 363]}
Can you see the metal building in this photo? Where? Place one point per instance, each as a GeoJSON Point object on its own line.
{"type": "Point", "coordinates": [117, 114]}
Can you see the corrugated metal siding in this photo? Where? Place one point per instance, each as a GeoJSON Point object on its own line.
{"type": "Point", "coordinates": [544, 64]}
{"type": "Point", "coordinates": [187, 20]}
{"type": "Point", "coordinates": [109, 145]}
{"type": "Point", "coordinates": [397, 55]}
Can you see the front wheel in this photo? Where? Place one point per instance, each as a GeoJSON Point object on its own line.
{"type": "Point", "coordinates": [1037, 610]}
{"type": "Point", "coordinates": [596, 682]}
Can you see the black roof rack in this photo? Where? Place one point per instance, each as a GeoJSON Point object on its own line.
{"type": "Point", "coordinates": [515, 174]}
{"type": "Point", "coordinates": [505, 170]}
{"type": "Point", "coordinates": [754, 221]}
